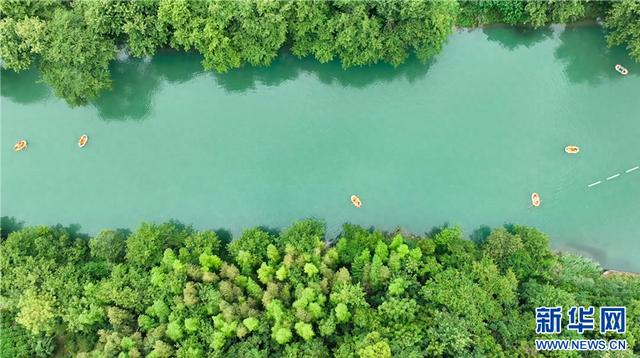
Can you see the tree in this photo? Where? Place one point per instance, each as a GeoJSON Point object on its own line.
{"type": "Point", "coordinates": [523, 250]}
{"type": "Point", "coordinates": [36, 312]}
{"type": "Point", "coordinates": [73, 43]}
{"type": "Point", "coordinates": [250, 248]}
{"type": "Point", "coordinates": [239, 31]}
{"type": "Point", "coordinates": [173, 295]}
{"type": "Point", "coordinates": [109, 245]}
{"type": "Point", "coordinates": [147, 245]}
{"type": "Point", "coordinates": [75, 59]}
{"type": "Point", "coordinates": [20, 42]}
{"type": "Point", "coordinates": [623, 22]}
{"type": "Point", "coordinates": [304, 236]}
{"type": "Point", "coordinates": [304, 330]}
{"type": "Point", "coordinates": [374, 347]}
{"type": "Point", "coordinates": [135, 22]}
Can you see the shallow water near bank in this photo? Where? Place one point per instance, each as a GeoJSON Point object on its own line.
{"type": "Point", "coordinates": [462, 140]}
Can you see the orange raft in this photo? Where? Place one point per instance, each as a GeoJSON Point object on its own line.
{"type": "Point", "coordinates": [356, 201]}
{"type": "Point", "coordinates": [572, 149]}
{"type": "Point", "coordinates": [20, 145]}
{"type": "Point", "coordinates": [623, 71]}
{"type": "Point", "coordinates": [535, 199]}
{"type": "Point", "coordinates": [83, 140]}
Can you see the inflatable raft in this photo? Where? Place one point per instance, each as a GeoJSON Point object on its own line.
{"type": "Point", "coordinates": [356, 201]}
{"type": "Point", "coordinates": [623, 71]}
{"type": "Point", "coordinates": [572, 149]}
{"type": "Point", "coordinates": [535, 199]}
{"type": "Point", "coordinates": [20, 145]}
{"type": "Point", "coordinates": [83, 140]}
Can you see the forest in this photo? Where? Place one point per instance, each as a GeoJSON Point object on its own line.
{"type": "Point", "coordinates": [168, 290]}
{"type": "Point", "coordinates": [73, 43]}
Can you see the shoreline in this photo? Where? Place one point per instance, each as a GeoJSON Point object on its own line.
{"type": "Point", "coordinates": [10, 225]}
{"type": "Point", "coordinates": [580, 23]}
{"type": "Point", "coordinates": [611, 273]}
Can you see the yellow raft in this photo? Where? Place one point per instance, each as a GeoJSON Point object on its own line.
{"type": "Point", "coordinates": [356, 201]}
{"type": "Point", "coordinates": [572, 149]}
{"type": "Point", "coordinates": [83, 140]}
{"type": "Point", "coordinates": [20, 145]}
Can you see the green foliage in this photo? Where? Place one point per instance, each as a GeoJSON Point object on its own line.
{"type": "Point", "coordinates": [210, 262]}
{"type": "Point", "coordinates": [532, 13]}
{"type": "Point", "coordinates": [304, 330]}
{"type": "Point", "coordinates": [16, 341]}
{"type": "Point", "coordinates": [304, 236]}
{"type": "Point", "coordinates": [146, 246]}
{"type": "Point", "coordinates": [109, 245]}
{"type": "Point", "coordinates": [374, 347]}
{"type": "Point", "coordinates": [310, 269]}
{"type": "Point", "coordinates": [191, 324]}
{"type": "Point", "coordinates": [72, 43]}
{"type": "Point", "coordinates": [251, 323]}
{"type": "Point", "coordinates": [623, 22]}
{"type": "Point", "coordinates": [174, 331]}
{"type": "Point", "coordinates": [75, 59]}
{"type": "Point", "coordinates": [282, 335]}
{"type": "Point", "coordinates": [523, 250]}
{"type": "Point", "coordinates": [167, 290]}
{"type": "Point", "coordinates": [342, 313]}
{"type": "Point", "coordinates": [21, 40]}
{"type": "Point", "coordinates": [397, 287]}
{"type": "Point", "coordinates": [199, 243]}
{"type": "Point", "coordinates": [250, 248]}
{"type": "Point", "coordinates": [36, 312]}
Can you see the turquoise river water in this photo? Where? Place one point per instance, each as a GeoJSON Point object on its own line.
{"type": "Point", "coordinates": [462, 140]}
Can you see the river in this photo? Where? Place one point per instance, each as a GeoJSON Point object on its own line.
{"type": "Point", "coordinates": [463, 140]}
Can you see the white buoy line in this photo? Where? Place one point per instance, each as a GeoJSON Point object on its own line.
{"type": "Point", "coordinates": [613, 176]}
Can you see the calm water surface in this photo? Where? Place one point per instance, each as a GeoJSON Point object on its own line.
{"type": "Point", "coordinates": [462, 140]}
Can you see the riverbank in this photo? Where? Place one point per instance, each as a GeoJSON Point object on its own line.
{"type": "Point", "coordinates": [169, 290]}
{"type": "Point", "coordinates": [357, 33]}
{"type": "Point", "coordinates": [576, 24]}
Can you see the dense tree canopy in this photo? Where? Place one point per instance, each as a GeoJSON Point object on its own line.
{"type": "Point", "coordinates": [624, 23]}
{"type": "Point", "coordinates": [73, 42]}
{"type": "Point", "coordinates": [533, 13]}
{"type": "Point", "coordinates": [167, 290]}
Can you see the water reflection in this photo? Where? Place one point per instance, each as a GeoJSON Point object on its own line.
{"type": "Point", "coordinates": [177, 67]}
{"type": "Point", "coordinates": [73, 230]}
{"type": "Point", "coordinates": [135, 82]}
{"type": "Point", "coordinates": [131, 96]}
{"type": "Point", "coordinates": [599, 255]}
{"type": "Point", "coordinates": [480, 234]}
{"type": "Point", "coordinates": [587, 58]}
{"type": "Point", "coordinates": [224, 236]}
{"type": "Point", "coordinates": [437, 229]}
{"type": "Point", "coordinates": [583, 52]}
{"type": "Point", "coordinates": [288, 67]}
{"type": "Point", "coordinates": [23, 87]}
{"type": "Point", "coordinates": [513, 37]}
{"type": "Point", "coordinates": [9, 224]}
